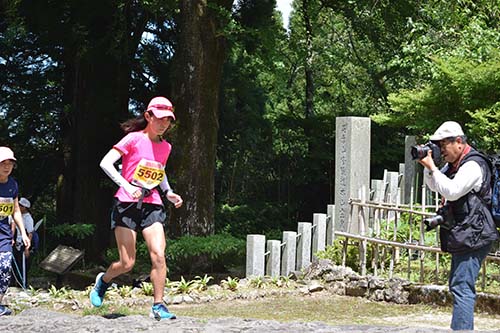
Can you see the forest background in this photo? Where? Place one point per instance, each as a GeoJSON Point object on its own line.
{"type": "Point", "coordinates": [254, 141]}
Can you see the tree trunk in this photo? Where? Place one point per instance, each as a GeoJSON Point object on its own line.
{"type": "Point", "coordinates": [308, 62]}
{"type": "Point", "coordinates": [96, 96]}
{"type": "Point", "coordinates": [199, 59]}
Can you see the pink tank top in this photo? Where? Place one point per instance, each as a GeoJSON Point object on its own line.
{"type": "Point", "coordinates": [137, 148]}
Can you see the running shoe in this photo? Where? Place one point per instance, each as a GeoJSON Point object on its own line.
{"type": "Point", "coordinates": [160, 312]}
{"type": "Point", "coordinates": [97, 293]}
{"type": "Point", "coordinates": [5, 311]}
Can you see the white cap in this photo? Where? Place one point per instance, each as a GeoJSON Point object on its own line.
{"type": "Point", "coordinates": [6, 154]}
{"type": "Point", "coordinates": [448, 129]}
{"type": "Point", "coordinates": [161, 107]}
{"type": "Point", "coordinates": [25, 202]}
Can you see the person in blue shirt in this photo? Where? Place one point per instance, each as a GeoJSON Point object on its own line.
{"type": "Point", "coordinates": [9, 206]}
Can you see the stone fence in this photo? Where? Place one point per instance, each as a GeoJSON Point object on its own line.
{"type": "Point", "coordinates": [294, 252]}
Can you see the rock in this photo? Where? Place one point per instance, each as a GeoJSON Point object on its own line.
{"type": "Point", "coordinates": [296, 275]}
{"type": "Point", "coordinates": [315, 286]}
{"type": "Point", "coordinates": [376, 283]}
{"type": "Point", "coordinates": [338, 288]}
{"type": "Point", "coordinates": [356, 288]}
{"type": "Point", "coordinates": [177, 299]}
{"type": "Point", "coordinates": [187, 299]}
{"type": "Point", "coordinates": [304, 290]}
{"type": "Point", "coordinates": [377, 295]}
{"type": "Point", "coordinates": [325, 269]}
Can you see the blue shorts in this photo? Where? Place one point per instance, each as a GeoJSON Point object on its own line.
{"type": "Point", "coordinates": [127, 215]}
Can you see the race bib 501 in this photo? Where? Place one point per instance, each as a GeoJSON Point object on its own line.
{"type": "Point", "coordinates": [6, 207]}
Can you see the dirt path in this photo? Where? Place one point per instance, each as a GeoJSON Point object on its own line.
{"type": "Point", "coordinates": [41, 320]}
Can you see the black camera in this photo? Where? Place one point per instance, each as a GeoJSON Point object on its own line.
{"type": "Point", "coordinates": [441, 218]}
{"type": "Point", "coordinates": [420, 151]}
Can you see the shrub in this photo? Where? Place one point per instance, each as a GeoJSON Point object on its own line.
{"type": "Point", "coordinates": [195, 254]}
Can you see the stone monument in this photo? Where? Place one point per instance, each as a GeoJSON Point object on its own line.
{"type": "Point", "coordinates": [352, 167]}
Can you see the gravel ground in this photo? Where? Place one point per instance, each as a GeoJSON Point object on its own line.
{"type": "Point", "coordinates": [41, 320]}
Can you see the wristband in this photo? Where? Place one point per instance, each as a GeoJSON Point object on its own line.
{"type": "Point", "coordinates": [167, 191]}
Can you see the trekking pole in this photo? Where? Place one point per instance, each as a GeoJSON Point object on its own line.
{"type": "Point", "coordinates": [24, 271]}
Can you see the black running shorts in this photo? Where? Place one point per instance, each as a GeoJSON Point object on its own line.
{"type": "Point", "coordinates": [126, 214]}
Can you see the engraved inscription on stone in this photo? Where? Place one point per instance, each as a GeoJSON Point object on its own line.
{"type": "Point", "coordinates": [61, 259]}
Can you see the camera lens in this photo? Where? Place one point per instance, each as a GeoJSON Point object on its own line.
{"type": "Point", "coordinates": [433, 222]}
{"type": "Point", "coordinates": [419, 152]}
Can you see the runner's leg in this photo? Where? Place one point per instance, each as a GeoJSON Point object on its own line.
{"type": "Point", "coordinates": [125, 241]}
{"type": "Point", "coordinates": [154, 236]}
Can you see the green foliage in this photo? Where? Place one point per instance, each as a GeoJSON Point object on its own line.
{"type": "Point", "coordinates": [485, 127]}
{"type": "Point", "coordinates": [125, 291]}
{"type": "Point", "coordinates": [334, 253]}
{"type": "Point", "coordinates": [462, 90]}
{"type": "Point", "coordinates": [183, 286]}
{"type": "Point", "coordinates": [230, 283]}
{"type": "Point", "coordinates": [201, 283]}
{"type": "Point", "coordinates": [241, 220]}
{"type": "Point", "coordinates": [218, 252]}
{"type": "Point", "coordinates": [147, 288]}
{"type": "Point", "coordinates": [78, 231]}
{"type": "Point", "coordinates": [63, 292]}
{"type": "Point", "coordinates": [33, 291]}
{"type": "Point", "coordinates": [106, 309]}
{"type": "Point", "coordinates": [257, 282]}
{"type": "Point", "coordinates": [454, 56]}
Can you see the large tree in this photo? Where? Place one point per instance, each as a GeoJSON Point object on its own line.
{"type": "Point", "coordinates": [95, 50]}
{"type": "Point", "coordinates": [199, 57]}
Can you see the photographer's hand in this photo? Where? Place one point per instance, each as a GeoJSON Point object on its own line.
{"type": "Point", "coordinates": [428, 162]}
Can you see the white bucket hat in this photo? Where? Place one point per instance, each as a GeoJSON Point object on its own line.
{"type": "Point", "coordinates": [25, 202]}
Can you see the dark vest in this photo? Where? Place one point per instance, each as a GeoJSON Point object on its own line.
{"type": "Point", "coordinates": [472, 226]}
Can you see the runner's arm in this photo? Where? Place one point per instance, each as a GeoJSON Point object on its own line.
{"type": "Point", "coordinates": [169, 193]}
{"type": "Point", "coordinates": [17, 216]}
{"type": "Point", "coordinates": [165, 186]}
{"type": "Point", "coordinates": [107, 164]}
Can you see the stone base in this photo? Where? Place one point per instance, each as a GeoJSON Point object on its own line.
{"type": "Point", "coordinates": [396, 290]}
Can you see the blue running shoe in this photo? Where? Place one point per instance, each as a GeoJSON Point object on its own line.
{"type": "Point", "coordinates": [160, 312]}
{"type": "Point", "coordinates": [97, 293]}
{"type": "Point", "coordinates": [5, 311]}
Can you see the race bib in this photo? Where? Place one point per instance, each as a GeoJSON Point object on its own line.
{"type": "Point", "coordinates": [148, 174]}
{"type": "Point", "coordinates": [6, 207]}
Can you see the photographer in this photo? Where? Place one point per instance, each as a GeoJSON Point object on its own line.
{"type": "Point", "coordinates": [470, 231]}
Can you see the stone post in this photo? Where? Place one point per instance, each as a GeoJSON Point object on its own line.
{"type": "Point", "coordinates": [392, 192]}
{"type": "Point", "coordinates": [401, 184]}
{"type": "Point", "coordinates": [255, 255]}
{"type": "Point", "coordinates": [319, 234]}
{"type": "Point", "coordinates": [352, 167]}
{"type": "Point", "coordinates": [304, 245]}
{"type": "Point", "coordinates": [273, 265]}
{"type": "Point", "coordinates": [377, 190]}
{"type": "Point", "coordinates": [289, 252]}
{"type": "Point", "coordinates": [330, 224]}
{"type": "Point", "coordinates": [410, 170]}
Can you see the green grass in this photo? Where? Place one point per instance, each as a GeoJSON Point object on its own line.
{"type": "Point", "coordinates": [111, 309]}
{"type": "Point", "coordinates": [332, 309]}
